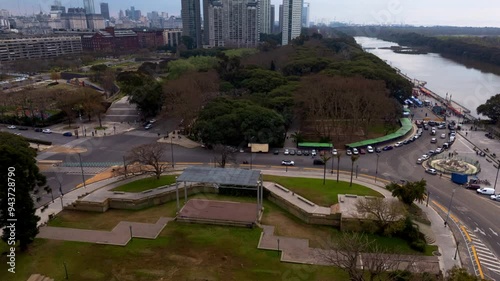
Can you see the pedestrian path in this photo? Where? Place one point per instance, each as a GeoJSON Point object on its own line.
{"type": "Point", "coordinates": [486, 261]}
{"type": "Point", "coordinates": [119, 236]}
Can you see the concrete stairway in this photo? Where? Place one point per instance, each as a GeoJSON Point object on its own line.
{"type": "Point", "coordinates": [38, 277]}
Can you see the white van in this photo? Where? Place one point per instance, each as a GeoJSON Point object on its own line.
{"type": "Point", "coordinates": [486, 191]}
{"type": "Point", "coordinates": [452, 139]}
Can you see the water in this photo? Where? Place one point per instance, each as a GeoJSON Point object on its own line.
{"type": "Point", "coordinates": [467, 86]}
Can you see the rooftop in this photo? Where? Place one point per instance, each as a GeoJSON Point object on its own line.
{"type": "Point", "coordinates": [227, 176]}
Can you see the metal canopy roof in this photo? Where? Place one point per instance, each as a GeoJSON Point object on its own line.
{"type": "Point", "coordinates": [227, 176]}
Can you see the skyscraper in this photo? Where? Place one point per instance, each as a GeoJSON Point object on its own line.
{"type": "Point", "coordinates": [305, 15]}
{"type": "Point", "coordinates": [292, 20]}
{"type": "Point", "coordinates": [280, 25]}
{"type": "Point", "coordinates": [206, 35]}
{"type": "Point", "coordinates": [264, 16]}
{"type": "Point", "coordinates": [105, 10]}
{"type": "Point", "coordinates": [191, 20]}
{"type": "Point", "coordinates": [88, 5]}
{"type": "Point", "coordinates": [271, 24]}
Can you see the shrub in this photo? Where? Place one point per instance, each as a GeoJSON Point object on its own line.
{"type": "Point", "coordinates": [418, 245]}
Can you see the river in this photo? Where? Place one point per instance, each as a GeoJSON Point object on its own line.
{"type": "Point", "coordinates": [469, 87]}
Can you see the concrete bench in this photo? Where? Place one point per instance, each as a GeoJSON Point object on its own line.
{"type": "Point", "coordinates": [118, 192]}
{"type": "Point", "coordinates": [147, 191]}
{"type": "Point", "coordinates": [306, 201]}
{"type": "Point", "coordinates": [282, 188]}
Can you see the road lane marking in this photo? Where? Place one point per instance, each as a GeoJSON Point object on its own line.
{"type": "Point", "coordinates": [481, 274]}
{"type": "Point", "coordinates": [466, 233]}
{"type": "Point", "coordinates": [496, 234]}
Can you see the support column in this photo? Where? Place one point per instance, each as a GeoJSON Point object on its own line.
{"type": "Point", "coordinates": [185, 193]}
{"type": "Point", "coordinates": [258, 204]}
{"type": "Point", "coordinates": [177, 194]}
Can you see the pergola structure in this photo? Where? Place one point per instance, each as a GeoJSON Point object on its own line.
{"type": "Point", "coordinates": [222, 177]}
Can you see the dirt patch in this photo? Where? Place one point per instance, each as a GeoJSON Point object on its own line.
{"type": "Point", "coordinates": [67, 150]}
{"type": "Point", "coordinates": [184, 259]}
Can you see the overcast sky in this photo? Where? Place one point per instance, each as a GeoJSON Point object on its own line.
{"type": "Point", "coordinates": [415, 12]}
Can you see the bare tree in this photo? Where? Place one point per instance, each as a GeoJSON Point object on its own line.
{"type": "Point", "coordinates": [387, 213]}
{"type": "Point", "coordinates": [55, 75]}
{"type": "Point", "coordinates": [150, 155]}
{"type": "Point", "coordinates": [92, 104]}
{"type": "Point", "coordinates": [361, 257]}
{"type": "Point", "coordinates": [354, 158]}
{"type": "Point", "coordinates": [224, 154]}
{"type": "Point", "coordinates": [108, 81]}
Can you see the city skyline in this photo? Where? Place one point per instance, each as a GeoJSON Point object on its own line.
{"type": "Point", "coordinates": [424, 12]}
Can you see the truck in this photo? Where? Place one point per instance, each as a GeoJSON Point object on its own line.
{"type": "Point", "coordinates": [459, 178]}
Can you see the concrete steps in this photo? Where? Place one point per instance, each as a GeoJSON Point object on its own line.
{"type": "Point", "coordinates": [39, 277]}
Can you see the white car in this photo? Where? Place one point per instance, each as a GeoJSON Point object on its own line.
{"type": "Point", "coordinates": [355, 151]}
{"type": "Point", "coordinates": [334, 151]}
{"type": "Point", "coordinates": [313, 152]}
{"type": "Point", "coordinates": [420, 160]}
{"type": "Point", "coordinates": [434, 140]}
{"type": "Point", "coordinates": [369, 149]}
{"type": "Point", "coordinates": [11, 127]}
{"type": "Point", "coordinates": [495, 197]}
{"type": "Point", "coordinates": [348, 152]}
{"type": "Point", "coordinates": [438, 150]}
{"type": "Point", "coordinates": [286, 152]}
{"type": "Point", "coordinates": [425, 157]}
{"type": "Point", "coordinates": [46, 131]}
{"type": "Point", "coordinates": [287, 163]}
{"type": "Point", "coordinates": [443, 136]}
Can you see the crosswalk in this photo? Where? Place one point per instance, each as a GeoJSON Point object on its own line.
{"type": "Point", "coordinates": [90, 164]}
{"type": "Point", "coordinates": [489, 264]}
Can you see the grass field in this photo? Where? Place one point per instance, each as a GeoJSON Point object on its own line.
{"type": "Point", "coordinates": [145, 184]}
{"type": "Point", "coordinates": [314, 190]}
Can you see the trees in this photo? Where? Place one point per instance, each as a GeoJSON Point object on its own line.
{"type": "Point", "coordinates": [408, 191]}
{"type": "Point", "coordinates": [17, 157]}
{"type": "Point", "coordinates": [325, 160]}
{"type": "Point", "coordinates": [354, 158]}
{"type": "Point", "coordinates": [386, 213]}
{"type": "Point", "coordinates": [108, 81]}
{"type": "Point", "coordinates": [151, 156]}
{"type": "Point", "coordinates": [143, 91]}
{"type": "Point", "coordinates": [460, 274]}
{"type": "Point", "coordinates": [91, 103]}
{"type": "Point", "coordinates": [491, 108]}
{"type": "Point", "coordinates": [54, 75]}
{"type": "Point", "coordinates": [69, 104]}
{"type": "Point", "coordinates": [224, 154]}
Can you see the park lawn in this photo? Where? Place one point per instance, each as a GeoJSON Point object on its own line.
{"type": "Point", "coordinates": [146, 183]}
{"type": "Point", "coordinates": [324, 195]}
{"type": "Point", "coordinates": [181, 252]}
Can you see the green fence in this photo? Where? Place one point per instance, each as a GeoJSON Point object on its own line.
{"type": "Point", "coordinates": [405, 128]}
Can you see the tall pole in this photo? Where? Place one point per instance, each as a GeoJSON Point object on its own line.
{"type": "Point", "coordinates": [81, 167]}
{"type": "Point", "coordinates": [172, 150]}
{"type": "Point", "coordinates": [324, 173]}
{"type": "Point", "coordinates": [124, 166]}
{"type": "Point", "coordinates": [449, 206]}
{"type": "Point", "coordinates": [376, 168]}
{"type": "Point", "coordinates": [428, 196]}
{"type": "Point", "coordinates": [496, 178]}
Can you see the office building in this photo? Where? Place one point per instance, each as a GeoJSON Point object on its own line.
{"type": "Point", "coordinates": [280, 24]}
{"type": "Point", "coordinates": [172, 37]}
{"type": "Point", "coordinates": [305, 15]}
{"type": "Point", "coordinates": [191, 20]}
{"type": "Point", "coordinates": [264, 16]}
{"type": "Point", "coordinates": [95, 21]}
{"type": "Point", "coordinates": [105, 11]}
{"type": "Point", "coordinates": [88, 5]}
{"type": "Point", "coordinates": [272, 23]}
{"type": "Point", "coordinates": [292, 20]}
{"type": "Point", "coordinates": [12, 49]}
{"type": "Point", "coordinates": [75, 19]}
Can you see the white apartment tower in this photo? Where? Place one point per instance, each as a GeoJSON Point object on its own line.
{"type": "Point", "coordinates": [305, 15]}
{"type": "Point", "coordinates": [292, 20]}
{"type": "Point", "coordinates": [88, 5]}
{"type": "Point", "coordinates": [264, 9]}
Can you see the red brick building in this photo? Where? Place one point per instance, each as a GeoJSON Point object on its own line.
{"type": "Point", "coordinates": [109, 40]}
{"type": "Point", "coordinates": [150, 39]}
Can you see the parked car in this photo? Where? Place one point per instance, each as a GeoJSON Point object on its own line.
{"type": "Point", "coordinates": [286, 152]}
{"type": "Point", "coordinates": [334, 152]}
{"type": "Point", "coordinates": [287, 163]}
{"type": "Point", "coordinates": [12, 127]}
{"type": "Point", "coordinates": [362, 151]}
{"type": "Point", "coordinates": [433, 133]}
{"type": "Point", "coordinates": [67, 134]}
{"type": "Point", "coordinates": [38, 130]}
{"type": "Point", "coordinates": [306, 152]}
{"type": "Point", "coordinates": [425, 157]}
{"type": "Point", "coordinates": [292, 151]}
{"type": "Point", "coordinates": [348, 152]}
{"type": "Point", "coordinates": [420, 160]}
{"type": "Point", "coordinates": [472, 186]}
{"type": "Point", "coordinates": [486, 191]}
{"type": "Point", "coordinates": [355, 151]}
{"type": "Point", "coordinates": [318, 162]}
{"type": "Point", "coordinates": [398, 144]}
{"type": "Point", "coordinates": [369, 149]}
{"type": "Point", "coordinates": [276, 152]}
{"type": "Point", "coordinates": [495, 197]}
{"type": "Point", "coordinates": [148, 126]}
{"type": "Point", "coordinates": [46, 131]}
{"type": "Point", "coordinates": [431, 152]}
{"type": "Point", "coordinates": [152, 121]}
{"type": "Point", "coordinates": [378, 150]}
{"type": "Point", "coordinates": [446, 145]}
{"type": "Point", "coordinates": [405, 142]}
{"type": "Point", "coordinates": [387, 147]}
{"type": "Point", "coordinates": [313, 152]}
{"type": "Point", "coordinates": [438, 150]}
{"type": "Point", "coordinates": [443, 136]}
{"type": "Point", "coordinates": [441, 126]}
{"type": "Point", "coordinates": [431, 171]}
{"type": "Point", "coordinates": [299, 153]}
{"type": "Point", "coordinates": [434, 140]}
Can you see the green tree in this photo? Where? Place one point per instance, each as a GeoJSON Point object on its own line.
{"type": "Point", "coordinates": [339, 154]}
{"type": "Point", "coordinates": [460, 274]}
{"type": "Point", "coordinates": [21, 177]}
{"type": "Point", "coordinates": [354, 158]}
{"type": "Point", "coordinates": [325, 159]}
{"type": "Point", "coordinates": [491, 108]}
{"type": "Point", "coordinates": [408, 192]}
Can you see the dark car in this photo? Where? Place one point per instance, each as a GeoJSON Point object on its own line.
{"type": "Point", "coordinates": [378, 150]}
{"type": "Point", "coordinates": [305, 152]}
{"type": "Point", "coordinates": [276, 152]}
{"type": "Point", "coordinates": [388, 147]}
{"type": "Point", "coordinates": [22, 128]}
{"type": "Point", "coordinates": [318, 162]}
{"type": "Point", "coordinates": [406, 141]}
{"type": "Point", "coordinates": [38, 130]}
{"type": "Point", "coordinates": [68, 134]}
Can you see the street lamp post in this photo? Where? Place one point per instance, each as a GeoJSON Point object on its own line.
{"type": "Point", "coordinates": [81, 167]}
{"type": "Point", "coordinates": [172, 150]}
{"type": "Point", "coordinates": [376, 168]}
{"type": "Point", "coordinates": [357, 166]}
{"type": "Point", "coordinates": [449, 207]}
{"type": "Point", "coordinates": [456, 251]}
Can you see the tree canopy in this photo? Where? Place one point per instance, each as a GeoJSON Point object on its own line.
{"type": "Point", "coordinates": [491, 108]}
{"type": "Point", "coordinates": [17, 157]}
{"type": "Point", "coordinates": [408, 192]}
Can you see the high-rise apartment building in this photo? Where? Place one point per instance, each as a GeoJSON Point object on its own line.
{"type": "Point", "coordinates": [88, 5]}
{"type": "Point", "coordinates": [305, 15]}
{"type": "Point", "coordinates": [292, 20]}
{"type": "Point", "coordinates": [191, 20]}
{"type": "Point", "coordinates": [233, 23]}
{"type": "Point", "coordinates": [280, 25]}
{"type": "Point", "coordinates": [271, 23]}
{"type": "Point", "coordinates": [264, 16]}
{"type": "Point", "coordinates": [12, 49]}
{"type": "Point", "coordinates": [105, 10]}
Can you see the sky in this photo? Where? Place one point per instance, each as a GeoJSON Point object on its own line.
{"type": "Point", "coordinates": [421, 12]}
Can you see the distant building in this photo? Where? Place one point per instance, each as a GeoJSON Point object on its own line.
{"type": "Point", "coordinates": [133, 14]}
{"type": "Point", "coordinates": [75, 19]}
{"type": "Point", "coordinates": [95, 21]}
{"type": "Point", "coordinates": [280, 24]}
{"type": "Point", "coordinates": [12, 49]}
{"type": "Point", "coordinates": [105, 11]}
{"type": "Point", "coordinates": [121, 15]}
{"type": "Point", "coordinates": [264, 16]}
{"type": "Point", "coordinates": [150, 38]}
{"type": "Point", "coordinates": [111, 40]}
{"type": "Point", "coordinates": [4, 13]}
{"type": "Point", "coordinates": [173, 22]}
{"type": "Point", "coordinates": [172, 37]}
{"type": "Point", "coordinates": [89, 7]}
{"type": "Point", "coordinates": [272, 21]}
{"type": "Point", "coordinates": [191, 20]}
{"type": "Point", "coordinates": [292, 20]}
{"type": "Point", "coordinates": [305, 15]}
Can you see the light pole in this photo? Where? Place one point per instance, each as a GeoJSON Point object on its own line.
{"type": "Point", "coordinates": [456, 251]}
{"type": "Point", "coordinates": [81, 167]}
{"type": "Point", "coordinates": [449, 207]}
{"type": "Point", "coordinates": [376, 168]}
{"type": "Point", "coordinates": [172, 150]}
{"type": "Point", "coordinates": [357, 166]}
{"type": "Point", "coordinates": [496, 178]}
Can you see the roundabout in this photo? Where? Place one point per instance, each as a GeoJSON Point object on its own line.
{"type": "Point", "coordinates": [454, 164]}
